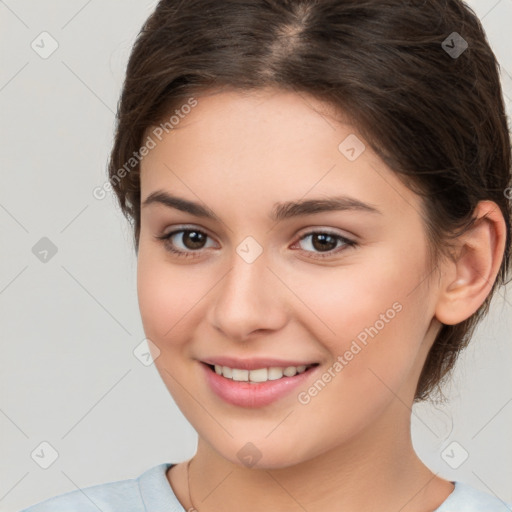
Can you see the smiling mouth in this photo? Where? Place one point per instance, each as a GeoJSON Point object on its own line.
{"type": "Point", "coordinates": [259, 375]}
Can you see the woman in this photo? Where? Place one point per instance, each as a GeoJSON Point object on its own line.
{"type": "Point", "coordinates": [319, 193]}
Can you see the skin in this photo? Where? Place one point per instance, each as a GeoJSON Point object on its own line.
{"type": "Point", "coordinates": [239, 154]}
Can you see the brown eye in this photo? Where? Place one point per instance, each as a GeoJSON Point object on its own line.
{"type": "Point", "coordinates": [185, 242]}
{"type": "Point", "coordinates": [324, 244]}
{"type": "Point", "coordinates": [193, 239]}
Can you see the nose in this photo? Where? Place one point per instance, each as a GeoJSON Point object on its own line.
{"type": "Point", "coordinates": [250, 299]}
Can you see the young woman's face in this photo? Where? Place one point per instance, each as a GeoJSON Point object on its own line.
{"type": "Point", "coordinates": [260, 284]}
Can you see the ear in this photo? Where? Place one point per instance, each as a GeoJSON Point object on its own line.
{"type": "Point", "coordinates": [467, 280]}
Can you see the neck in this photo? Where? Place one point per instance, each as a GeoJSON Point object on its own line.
{"type": "Point", "coordinates": [378, 470]}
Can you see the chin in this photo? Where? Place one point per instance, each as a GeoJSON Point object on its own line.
{"type": "Point", "coordinates": [265, 454]}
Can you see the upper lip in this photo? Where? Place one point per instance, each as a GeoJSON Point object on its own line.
{"type": "Point", "coordinates": [255, 362]}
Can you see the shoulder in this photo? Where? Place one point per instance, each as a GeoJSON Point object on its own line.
{"type": "Point", "coordinates": [91, 499]}
{"type": "Point", "coordinates": [122, 495]}
{"type": "Point", "coordinates": [466, 498]}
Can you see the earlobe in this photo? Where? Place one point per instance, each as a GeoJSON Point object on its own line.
{"type": "Point", "coordinates": [469, 278]}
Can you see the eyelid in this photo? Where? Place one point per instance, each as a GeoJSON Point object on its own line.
{"type": "Point", "coordinates": [347, 241]}
{"type": "Point", "coordinates": [166, 236]}
{"type": "Point", "coordinates": [304, 232]}
{"type": "Point", "coordinates": [328, 231]}
{"type": "Point", "coordinates": [186, 227]}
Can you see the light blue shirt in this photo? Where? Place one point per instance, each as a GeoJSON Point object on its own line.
{"type": "Point", "coordinates": [151, 492]}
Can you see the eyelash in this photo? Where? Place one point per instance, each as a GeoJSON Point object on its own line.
{"type": "Point", "coordinates": [193, 254]}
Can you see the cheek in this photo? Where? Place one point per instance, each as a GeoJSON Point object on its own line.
{"type": "Point", "coordinates": [367, 314]}
{"type": "Point", "coordinates": [347, 300]}
{"type": "Point", "coordinates": [156, 298]}
{"type": "Point", "coordinates": [168, 301]}
{"type": "Point", "coordinates": [168, 296]}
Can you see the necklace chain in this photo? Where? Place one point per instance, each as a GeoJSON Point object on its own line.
{"type": "Point", "coordinates": [193, 509]}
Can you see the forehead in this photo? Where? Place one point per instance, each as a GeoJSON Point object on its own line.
{"type": "Point", "coordinates": [268, 142]}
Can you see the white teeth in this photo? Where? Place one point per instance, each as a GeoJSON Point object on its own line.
{"type": "Point", "coordinates": [259, 374]}
{"type": "Point", "coordinates": [290, 371]}
{"type": "Point", "coordinates": [275, 373]}
{"type": "Point", "coordinates": [241, 375]}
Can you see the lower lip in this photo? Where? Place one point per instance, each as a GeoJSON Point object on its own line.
{"type": "Point", "coordinates": [245, 394]}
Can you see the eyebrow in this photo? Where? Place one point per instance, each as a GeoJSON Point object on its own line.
{"type": "Point", "coordinates": [280, 211]}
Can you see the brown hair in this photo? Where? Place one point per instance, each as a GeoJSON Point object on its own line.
{"type": "Point", "coordinates": [435, 117]}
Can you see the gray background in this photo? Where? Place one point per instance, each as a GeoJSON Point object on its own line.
{"type": "Point", "coordinates": [68, 326]}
